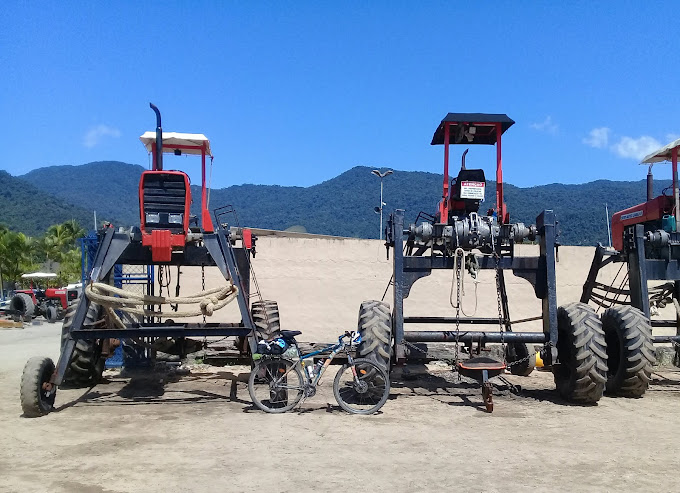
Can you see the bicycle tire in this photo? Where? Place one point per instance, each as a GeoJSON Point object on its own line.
{"type": "Point", "coordinates": [259, 385]}
{"type": "Point", "coordinates": [374, 395]}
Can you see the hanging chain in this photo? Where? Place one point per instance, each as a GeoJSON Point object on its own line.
{"type": "Point", "coordinates": [458, 301]}
{"type": "Point", "coordinates": [203, 284]}
{"type": "Point", "coordinates": [500, 307]}
{"type": "Point", "coordinates": [160, 291]}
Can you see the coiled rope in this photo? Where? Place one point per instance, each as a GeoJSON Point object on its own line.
{"type": "Point", "coordinates": [112, 298]}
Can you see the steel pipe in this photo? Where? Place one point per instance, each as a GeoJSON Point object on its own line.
{"type": "Point", "coordinates": [452, 320]}
{"type": "Point", "coordinates": [474, 336]}
{"type": "Point", "coordinates": [658, 339]}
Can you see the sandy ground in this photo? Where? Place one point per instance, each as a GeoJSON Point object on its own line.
{"type": "Point", "coordinates": [199, 432]}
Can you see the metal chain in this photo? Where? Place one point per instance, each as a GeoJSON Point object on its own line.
{"type": "Point", "coordinates": [500, 308]}
{"type": "Point", "coordinates": [160, 291]}
{"type": "Point", "coordinates": [458, 302]}
{"type": "Point", "coordinates": [203, 284]}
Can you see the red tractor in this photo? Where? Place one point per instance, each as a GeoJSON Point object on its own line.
{"type": "Point", "coordinates": [37, 301]}
{"type": "Point", "coordinates": [646, 242]}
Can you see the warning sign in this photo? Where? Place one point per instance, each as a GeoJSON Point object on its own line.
{"type": "Point", "coordinates": [472, 190]}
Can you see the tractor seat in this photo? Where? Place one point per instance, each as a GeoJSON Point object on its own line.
{"type": "Point", "coordinates": [465, 175]}
{"type": "Point", "coordinates": [474, 367]}
{"type": "Point", "coordinates": [289, 335]}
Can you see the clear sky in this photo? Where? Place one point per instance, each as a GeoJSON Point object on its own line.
{"type": "Point", "coordinates": [296, 92]}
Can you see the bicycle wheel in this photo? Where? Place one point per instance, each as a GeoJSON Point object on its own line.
{"type": "Point", "coordinates": [275, 385]}
{"type": "Point", "coordinates": [364, 394]}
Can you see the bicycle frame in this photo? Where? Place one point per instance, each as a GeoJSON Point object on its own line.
{"type": "Point", "coordinates": [333, 350]}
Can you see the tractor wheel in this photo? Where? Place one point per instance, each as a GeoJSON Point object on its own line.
{"type": "Point", "coordinates": [581, 369]}
{"type": "Point", "coordinates": [630, 350]}
{"type": "Point", "coordinates": [375, 328]}
{"type": "Point", "coordinates": [267, 320]}
{"type": "Point", "coordinates": [51, 314]}
{"type": "Point", "coordinates": [86, 364]}
{"type": "Point", "coordinates": [37, 396]}
{"type": "Point", "coordinates": [518, 351]}
{"type": "Point", "coordinates": [22, 303]}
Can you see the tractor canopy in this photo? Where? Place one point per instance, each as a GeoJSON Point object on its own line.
{"type": "Point", "coordinates": [172, 141]}
{"type": "Point", "coordinates": [471, 128]}
{"type": "Point", "coordinates": [663, 154]}
{"type": "Point", "coordinates": [39, 275]}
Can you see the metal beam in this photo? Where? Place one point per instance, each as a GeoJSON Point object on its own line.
{"type": "Point", "coordinates": [475, 336]}
{"type": "Point", "coordinates": [187, 330]}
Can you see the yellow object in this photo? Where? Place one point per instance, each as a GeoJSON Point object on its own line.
{"type": "Point", "coordinates": [539, 361]}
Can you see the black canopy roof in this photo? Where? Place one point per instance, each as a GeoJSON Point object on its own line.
{"type": "Point", "coordinates": [484, 128]}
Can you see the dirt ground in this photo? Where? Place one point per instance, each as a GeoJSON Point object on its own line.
{"type": "Point", "coordinates": [199, 432]}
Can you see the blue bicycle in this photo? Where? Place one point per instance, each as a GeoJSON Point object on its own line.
{"type": "Point", "coordinates": [278, 382]}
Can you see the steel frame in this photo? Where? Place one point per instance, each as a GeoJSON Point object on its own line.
{"type": "Point", "coordinates": [126, 248]}
{"type": "Point", "coordinates": [641, 270]}
{"type": "Point", "coordinates": [539, 271]}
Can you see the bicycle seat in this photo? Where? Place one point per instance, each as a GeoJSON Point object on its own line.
{"type": "Point", "coordinates": [289, 335]}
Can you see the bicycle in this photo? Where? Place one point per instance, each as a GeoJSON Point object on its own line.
{"type": "Point", "coordinates": [278, 383]}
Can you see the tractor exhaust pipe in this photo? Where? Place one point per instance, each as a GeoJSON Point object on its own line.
{"type": "Point", "coordinates": [462, 160]}
{"type": "Point", "coordinates": [159, 138]}
{"type": "Point", "coordinates": [650, 184]}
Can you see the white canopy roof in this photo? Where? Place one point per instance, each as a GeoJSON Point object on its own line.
{"type": "Point", "coordinates": [39, 275]}
{"type": "Point", "coordinates": [663, 154]}
{"type": "Point", "coordinates": [176, 138]}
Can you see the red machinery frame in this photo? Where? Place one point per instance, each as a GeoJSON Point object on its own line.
{"type": "Point", "coordinates": [492, 132]}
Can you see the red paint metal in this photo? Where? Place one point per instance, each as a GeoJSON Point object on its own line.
{"type": "Point", "coordinates": [187, 203]}
{"type": "Point", "coordinates": [247, 238]}
{"type": "Point", "coordinates": [674, 161]}
{"type": "Point", "coordinates": [206, 222]}
{"type": "Point", "coordinates": [443, 207]}
{"type": "Point", "coordinates": [161, 245]}
{"type": "Point", "coordinates": [653, 210]}
{"type": "Point", "coordinates": [501, 211]}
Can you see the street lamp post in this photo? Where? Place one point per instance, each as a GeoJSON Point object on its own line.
{"type": "Point", "coordinates": [380, 209]}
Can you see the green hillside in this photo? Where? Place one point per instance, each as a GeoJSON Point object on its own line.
{"type": "Point", "coordinates": [108, 187]}
{"type": "Point", "coordinates": [30, 210]}
{"type": "Point", "coordinates": [341, 206]}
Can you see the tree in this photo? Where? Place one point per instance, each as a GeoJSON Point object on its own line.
{"type": "Point", "coordinates": [15, 254]}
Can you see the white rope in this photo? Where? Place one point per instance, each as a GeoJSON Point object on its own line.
{"type": "Point", "coordinates": [113, 298]}
{"type": "Point", "coordinates": [459, 273]}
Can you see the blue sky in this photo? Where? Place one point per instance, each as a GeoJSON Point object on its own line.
{"type": "Point", "coordinates": [294, 93]}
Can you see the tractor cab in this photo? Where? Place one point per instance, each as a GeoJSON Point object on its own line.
{"type": "Point", "coordinates": [165, 195]}
{"type": "Point", "coordinates": [467, 191]}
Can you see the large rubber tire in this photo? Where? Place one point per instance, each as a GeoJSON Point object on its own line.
{"type": "Point", "coordinates": [372, 392]}
{"type": "Point", "coordinates": [375, 327]}
{"type": "Point", "coordinates": [86, 364]}
{"type": "Point", "coordinates": [581, 370]}
{"type": "Point", "coordinates": [630, 350]}
{"type": "Point", "coordinates": [267, 320]}
{"type": "Point", "coordinates": [286, 396]}
{"type": "Point", "coordinates": [22, 303]}
{"type": "Point", "coordinates": [516, 351]}
{"type": "Point", "coordinates": [51, 313]}
{"type": "Point", "coordinates": [35, 400]}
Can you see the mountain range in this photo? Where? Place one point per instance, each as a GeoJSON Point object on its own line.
{"type": "Point", "coordinates": [341, 206]}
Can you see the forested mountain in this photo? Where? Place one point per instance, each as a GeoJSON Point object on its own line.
{"type": "Point", "coordinates": [30, 210]}
{"type": "Point", "coordinates": [341, 206]}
